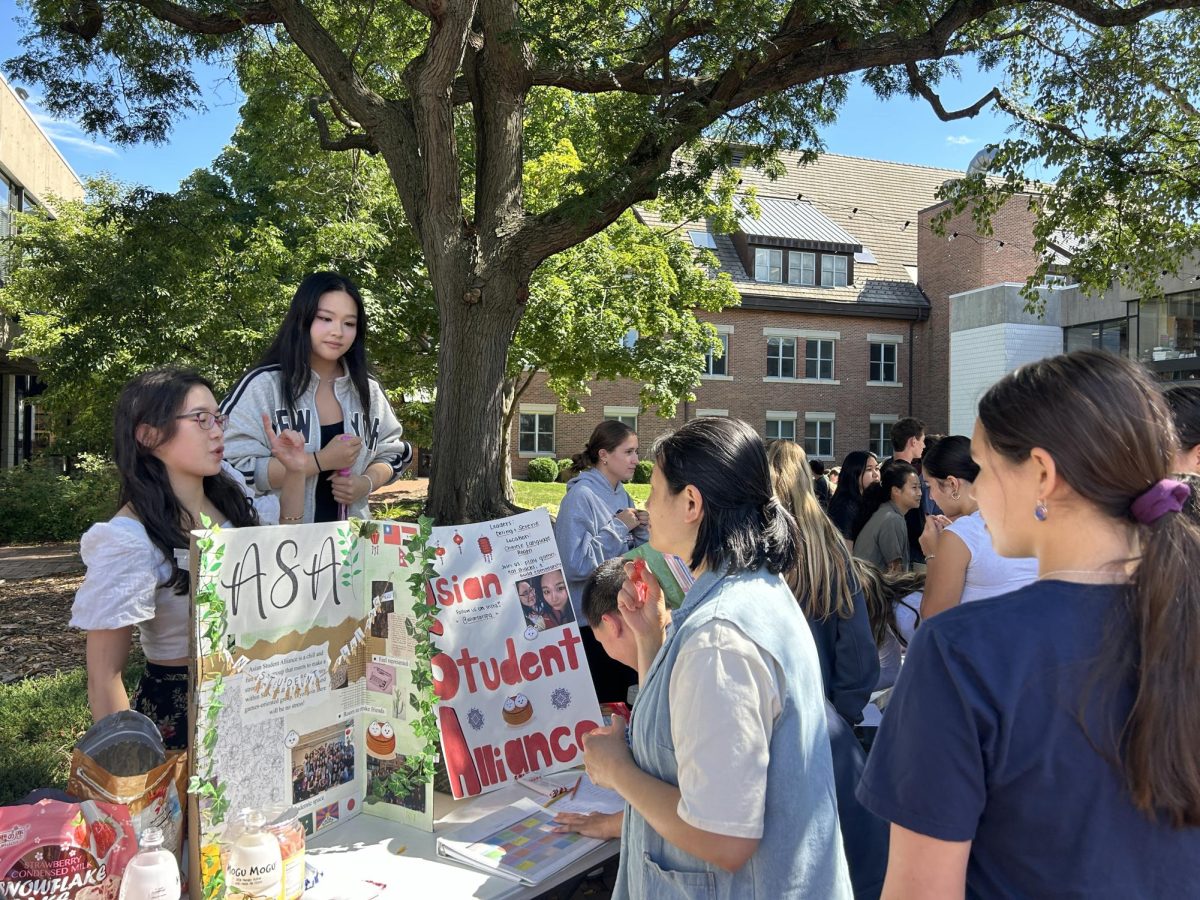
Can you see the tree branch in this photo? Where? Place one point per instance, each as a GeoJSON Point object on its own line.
{"type": "Point", "coordinates": [212, 23]}
{"type": "Point", "coordinates": [335, 67]}
{"type": "Point", "coordinates": [631, 77]}
{"type": "Point", "coordinates": [85, 21]}
{"type": "Point", "coordinates": [500, 72]}
{"type": "Point", "coordinates": [921, 86]}
{"type": "Point", "coordinates": [356, 141]}
{"type": "Point", "coordinates": [1111, 17]}
{"type": "Point", "coordinates": [429, 78]}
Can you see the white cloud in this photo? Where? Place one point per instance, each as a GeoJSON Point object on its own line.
{"type": "Point", "coordinates": [959, 139]}
{"type": "Point", "coordinates": [61, 131]}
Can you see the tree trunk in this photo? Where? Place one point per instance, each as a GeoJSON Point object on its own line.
{"type": "Point", "coordinates": [468, 480]}
{"type": "Point", "coordinates": [510, 402]}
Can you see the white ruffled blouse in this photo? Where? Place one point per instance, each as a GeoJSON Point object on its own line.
{"type": "Point", "coordinates": [126, 581]}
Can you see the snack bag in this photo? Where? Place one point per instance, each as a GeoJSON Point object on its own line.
{"type": "Point", "coordinates": [153, 799]}
{"type": "Point", "coordinates": [51, 850]}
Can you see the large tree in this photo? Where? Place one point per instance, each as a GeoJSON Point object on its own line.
{"type": "Point", "coordinates": [446, 91]}
{"type": "Point", "coordinates": [131, 279]}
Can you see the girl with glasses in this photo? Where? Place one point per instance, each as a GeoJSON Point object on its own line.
{"type": "Point", "coordinates": [169, 444]}
{"type": "Point", "coordinates": [314, 379]}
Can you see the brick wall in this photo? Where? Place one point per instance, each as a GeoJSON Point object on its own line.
{"type": "Point", "coordinates": [745, 393]}
{"type": "Point", "coordinates": [948, 267]}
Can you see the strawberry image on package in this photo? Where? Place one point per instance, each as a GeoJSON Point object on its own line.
{"type": "Point", "coordinates": [51, 850]}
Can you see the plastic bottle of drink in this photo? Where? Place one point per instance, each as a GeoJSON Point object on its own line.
{"type": "Point", "coordinates": [153, 874]}
{"type": "Point", "coordinates": [255, 867]}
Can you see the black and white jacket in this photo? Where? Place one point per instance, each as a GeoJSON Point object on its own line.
{"type": "Point", "coordinates": [261, 391]}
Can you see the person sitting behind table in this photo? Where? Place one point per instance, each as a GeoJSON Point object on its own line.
{"type": "Point", "coordinates": [600, 593]}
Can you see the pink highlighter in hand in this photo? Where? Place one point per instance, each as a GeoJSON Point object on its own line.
{"type": "Point", "coordinates": [344, 473]}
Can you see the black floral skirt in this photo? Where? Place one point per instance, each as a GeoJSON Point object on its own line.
{"type": "Point", "coordinates": [162, 697]}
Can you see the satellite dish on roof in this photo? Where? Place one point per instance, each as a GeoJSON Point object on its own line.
{"type": "Point", "coordinates": [981, 161]}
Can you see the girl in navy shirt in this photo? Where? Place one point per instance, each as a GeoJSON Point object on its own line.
{"type": "Point", "coordinates": [1044, 743]}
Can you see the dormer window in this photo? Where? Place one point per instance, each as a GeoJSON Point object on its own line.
{"type": "Point", "coordinates": [833, 270]}
{"type": "Point", "coordinates": [793, 242]}
{"type": "Point", "coordinates": [802, 267]}
{"type": "Point", "coordinates": [768, 265]}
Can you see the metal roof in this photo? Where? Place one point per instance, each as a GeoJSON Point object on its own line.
{"type": "Point", "coordinates": [796, 220]}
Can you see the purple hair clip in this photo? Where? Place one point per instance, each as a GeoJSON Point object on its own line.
{"type": "Point", "coordinates": [1160, 498]}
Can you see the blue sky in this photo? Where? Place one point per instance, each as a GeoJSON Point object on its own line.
{"type": "Point", "coordinates": [900, 130]}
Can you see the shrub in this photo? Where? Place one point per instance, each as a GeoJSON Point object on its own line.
{"type": "Point", "coordinates": [564, 470]}
{"type": "Point", "coordinates": [641, 475]}
{"type": "Point", "coordinates": [37, 503]}
{"type": "Point", "coordinates": [542, 468]}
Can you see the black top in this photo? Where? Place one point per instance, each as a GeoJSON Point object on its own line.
{"type": "Point", "coordinates": [843, 510]}
{"type": "Point", "coordinates": [326, 507]}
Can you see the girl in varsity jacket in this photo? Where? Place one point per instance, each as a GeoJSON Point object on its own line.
{"type": "Point", "coordinates": [314, 379]}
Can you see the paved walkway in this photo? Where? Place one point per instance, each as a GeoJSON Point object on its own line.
{"type": "Point", "coordinates": [22, 561]}
{"type": "Point", "coordinates": [19, 562]}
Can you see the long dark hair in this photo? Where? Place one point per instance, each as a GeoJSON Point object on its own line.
{"type": "Point", "coordinates": [950, 456]}
{"type": "Point", "coordinates": [893, 475]}
{"type": "Point", "coordinates": [154, 399]}
{"type": "Point", "coordinates": [850, 479]}
{"type": "Point", "coordinates": [292, 348]}
{"type": "Point", "coordinates": [744, 527]}
{"type": "Point", "coordinates": [607, 436]}
{"type": "Point", "coordinates": [1049, 404]}
{"type": "Point", "coordinates": [883, 591]}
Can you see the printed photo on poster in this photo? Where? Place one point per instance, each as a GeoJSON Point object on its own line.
{"type": "Point", "coordinates": [321, 761]}
{"type": "Point", "coordinates": [545, 600]}
{"type": "Point", "coordinates": [383, 604]}
{"type": "Point", "coordinates": [381, 790]}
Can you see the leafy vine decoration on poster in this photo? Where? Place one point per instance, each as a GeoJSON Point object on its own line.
{"type": "Point", "coordinates": [419, 768]}
{"type": "Point", "coordinates": [211, 611]}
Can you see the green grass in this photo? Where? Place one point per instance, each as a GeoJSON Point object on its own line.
{"type": "Point", "coordinates": [530, 494]}
{"type": "Point", "coordinates": [40, 721]}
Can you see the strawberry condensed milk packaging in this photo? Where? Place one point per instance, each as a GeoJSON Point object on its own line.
{"type": "Point", "coordinates": [55, 850]}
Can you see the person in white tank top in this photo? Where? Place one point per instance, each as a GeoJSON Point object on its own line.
{"type": "Point", "coordinates": [962, 566]}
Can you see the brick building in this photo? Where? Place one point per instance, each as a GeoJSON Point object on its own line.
{"type": "Point", "coordinates": [32, 172]}
{"type": "Point", "coordinates": [844, 320]}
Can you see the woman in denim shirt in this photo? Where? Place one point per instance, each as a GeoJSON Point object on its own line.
{"type": "Point", "coordinates": [729, 783]}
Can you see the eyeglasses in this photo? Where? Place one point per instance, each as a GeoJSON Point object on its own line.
{"type": "Point", "coordinates": [207, 420]}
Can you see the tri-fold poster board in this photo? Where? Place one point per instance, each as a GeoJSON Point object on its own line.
{"type": "Point", "coordinates": [303, 663]}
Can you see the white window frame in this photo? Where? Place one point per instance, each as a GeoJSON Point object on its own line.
{"type": "Point", "coordinates": [781, 357]}
{"type": "Point", "coordinates": [796, 265]}
{"type": "Point", "coordinates": [773, 263]}
{"type": "Point", "coordinates": [623, 414]}
{"type": "Point", "coordinates": [712, 414]}
{"type": "Point", "coordinates": [837, 270]}
{"type": "Point", "coordinates": [798, 335]}
{"type": "Point", "coordinates": [819, 341]}
{"type": "Point", "coordinates": [539, 411]}
{"type": "Point", "coordinates": [876, 443]}
{"type": "Point", "coordinates": [780, 418]}
{"type": "Point", "coordinates": [723, 332]}
{"type": "Point", "coordinates": [872, 340]}
{"type": "Point", "coordinates": [820, 419]}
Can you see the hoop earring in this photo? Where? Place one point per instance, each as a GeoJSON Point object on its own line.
{"type": "Point", "coordinates": [1040, 512]}
{"type": "Point", "coordinates": [954, 496]}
